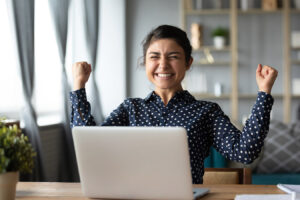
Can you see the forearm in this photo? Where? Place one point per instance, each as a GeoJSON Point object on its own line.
{"type": "Point", "coordinates": [245, 146]}
{"type": "Point", "coordinates": [81, 109]}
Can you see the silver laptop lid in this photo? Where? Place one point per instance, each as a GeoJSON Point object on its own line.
{"type": "Point", "coordinates": [133, 162]}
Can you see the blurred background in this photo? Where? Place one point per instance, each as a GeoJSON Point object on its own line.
{"type": "Point", "coordinates": [41, 39]}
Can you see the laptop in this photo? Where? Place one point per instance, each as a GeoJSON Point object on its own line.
{"type": "Point", "coordinates": [134, 163]}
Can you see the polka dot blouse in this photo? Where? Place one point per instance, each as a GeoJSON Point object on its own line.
{"type": "Point", "coordinates": [205, 122]}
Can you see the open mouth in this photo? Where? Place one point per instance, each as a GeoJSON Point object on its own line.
{"type": "Point", "coordinates": [163, 76]}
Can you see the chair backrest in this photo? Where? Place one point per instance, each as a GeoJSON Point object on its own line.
{"type": "Point", "coordinates": [227, 176]}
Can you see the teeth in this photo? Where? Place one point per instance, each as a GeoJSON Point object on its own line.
{"type": "Point", "coordinates": [164, 75]}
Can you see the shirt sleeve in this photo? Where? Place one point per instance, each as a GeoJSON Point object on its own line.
{"type": "Point", "coordinates": [81, 109]}
{"type": "Point", "coordinates": [118, 117]}
{"type": "Point", "coordinates": [242, 146]}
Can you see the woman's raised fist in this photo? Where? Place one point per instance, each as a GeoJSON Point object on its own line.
{"type": "Point", "coordinates": [81, 72]}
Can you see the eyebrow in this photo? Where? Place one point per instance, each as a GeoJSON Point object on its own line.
{"type": "Point", "coordinates": [170, 53]}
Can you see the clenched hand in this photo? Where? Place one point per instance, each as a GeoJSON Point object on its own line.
{"type": "Point", "coordinates": [81, 72]}
{"type": "Point", "coordinates": [265, 78]}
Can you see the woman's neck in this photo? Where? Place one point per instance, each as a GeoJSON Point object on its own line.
{"type": "Point", "coordinates": [167, 94]}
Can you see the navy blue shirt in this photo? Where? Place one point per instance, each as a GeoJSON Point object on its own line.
{"type": "Point", "coordinates": [205, 123]}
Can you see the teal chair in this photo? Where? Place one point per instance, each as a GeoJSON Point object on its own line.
{"type": "Point", "coordinates": [216, 160]}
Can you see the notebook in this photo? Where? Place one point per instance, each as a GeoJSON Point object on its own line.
{"type": "Point", "coordinates": [289, 188]}
{"type": "Point", "coordinates": [134, 163]}
{"type": "Point", "coordinates": [264, 197]}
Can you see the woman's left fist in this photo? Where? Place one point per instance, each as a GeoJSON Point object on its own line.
{"type": "Point", "coordinates": [265, 78]}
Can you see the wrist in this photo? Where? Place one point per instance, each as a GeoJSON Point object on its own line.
{"type": "Point", "coordinates": [265, 91]}
{"type": "Point", "coordinates": [78, 86]}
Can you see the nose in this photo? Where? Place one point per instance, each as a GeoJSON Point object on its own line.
{"type": "Point", "coordinates": [163, 63]}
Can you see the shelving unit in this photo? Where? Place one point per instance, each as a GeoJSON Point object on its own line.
{"type": "Point", "coordinates": [213, 63]}
{"type": "Point", "coordinates": [235, 96]}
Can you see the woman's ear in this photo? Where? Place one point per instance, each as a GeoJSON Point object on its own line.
{"type": "Point", "coordinates": [190, 63]}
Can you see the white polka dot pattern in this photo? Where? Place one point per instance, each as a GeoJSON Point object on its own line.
{"type": "Point", "coordinates": [205, 122]}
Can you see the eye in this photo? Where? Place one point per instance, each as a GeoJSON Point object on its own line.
{"type": "Point", "coordinates": [173, 57]}
{"type": "Point", "coordinates": [154, 57]}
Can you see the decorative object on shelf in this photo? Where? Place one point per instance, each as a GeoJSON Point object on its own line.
{"type": "Point", "coordinates": [296, 86]}
{"type": "Point", "coordinates": [218, 4]}
{"type": "Point", "coordinates": [295, 39]}
{"type": "Point", "coordinates": [297, 4]}
{"type": "Point", "coordinates": [198, 4]}
{"type": "Point", "coordinates": [269, 5]}
{"type": "Point", "coordinates": [208, 59]}
{"type": "Point", "coordinates": [218, 89]}
{"type": "Point", "coordinates": [196, 36]}
{"type": "Point", "coordinates": [16, 155]}
{"type": "Point", "coordinates": [188, 4]}
{"type": "Point", "coordinates": [246, 4]}
{"type": "Point", "coordinates": [219, 36]}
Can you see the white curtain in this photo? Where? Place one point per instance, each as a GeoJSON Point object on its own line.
{"type": "Point", "coordinates": [59, 10]}
{"type": "Point", "coordinates": [21, 16]}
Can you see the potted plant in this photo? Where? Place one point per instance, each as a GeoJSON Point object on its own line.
{"type": "Point", "coordinates": [16, 155]}
{"type": "Point", "coordinates": [219, 37]}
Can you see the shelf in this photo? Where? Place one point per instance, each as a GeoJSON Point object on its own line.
{"type": "Point", "coordinates": [210, 96]}
{"type": "Point", "coordinates": [227, 96]}
{"type": "Point", "coordinates": [253, 96]}
{"type": "Point", "coordinates": [212, 64]}
{"type": "Point", "coordinates": [259, 11]}
{"type": "Point", "coordinates": [295, 11]}
{"type": "Point", "coordinates": [212, 48]}
{"type": "Point", "coordinates": [296, 96]}
{"type": "Point", "coordinates": [295, 48]}
{"type": "Point", "coordinates": [288, 18]}
{"type": "Point", "coordinates": [208, 12]}
{"type": "Point", "coordinates": [295, 62]}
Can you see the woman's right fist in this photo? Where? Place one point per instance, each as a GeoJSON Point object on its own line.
{"type": "Point", "coordinates": [81, 72]}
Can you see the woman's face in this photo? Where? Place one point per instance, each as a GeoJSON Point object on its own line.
{"type": "Point", "coordinates": [166, 65]}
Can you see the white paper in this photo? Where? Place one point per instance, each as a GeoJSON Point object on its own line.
{"type": "Point", "coordinates": [288, 188]}
{"type": "Point", "coordinates": [264, 197]}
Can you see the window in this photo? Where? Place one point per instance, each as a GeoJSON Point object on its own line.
{"type": "Point", "coordinates": [11, 91]}
{"type": "Point", "coordinates": [48, 81]}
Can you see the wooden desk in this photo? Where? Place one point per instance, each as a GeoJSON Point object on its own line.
{"type": "Point", "coordinates": [68, 191]}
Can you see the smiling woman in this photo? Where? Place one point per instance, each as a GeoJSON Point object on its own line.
{"type": "Point", "coordinates": [167, 57]}
{"type": "Point", "coordinates": [165, 67]}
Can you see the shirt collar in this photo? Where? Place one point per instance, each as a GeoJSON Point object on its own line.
{"type": "Point", "coordinates": [180, 96]}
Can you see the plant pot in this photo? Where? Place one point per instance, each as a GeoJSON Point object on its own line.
{"type": "Point", "coordinates": [219, 42]}
{"type": "Point", "coordinates": [8, 182]}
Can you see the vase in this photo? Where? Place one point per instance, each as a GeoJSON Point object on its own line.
{"type": "Point", "coordinates": [8, 183]}
{"type": "Point", "coordinates": [219, 42]}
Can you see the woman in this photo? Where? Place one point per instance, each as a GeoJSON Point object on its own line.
{"type": "Point", "coordinates": [167, 56]}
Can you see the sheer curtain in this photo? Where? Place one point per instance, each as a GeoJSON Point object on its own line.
{"type": "Point", "coordinates": [59, 10]}
{"type": "Point", "coordinates": [91, 25]}
{"type": "Point", "coordinates": [85, 19]}
{"type": "Point", "coordinates": [21, 16]}
{"type": "Point", "coordinates": [85, 26]}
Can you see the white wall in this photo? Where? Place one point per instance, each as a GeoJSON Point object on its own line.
{"type": "Point", "coordinates": [142, 17]}
{"type": "Point", "coordinates": [111, 73]}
